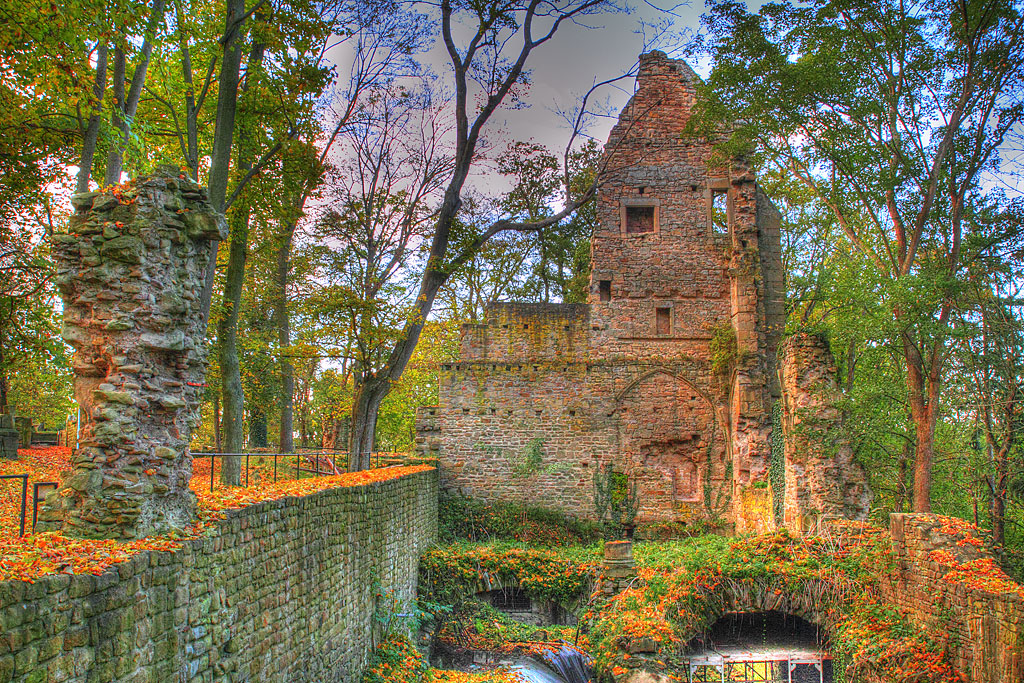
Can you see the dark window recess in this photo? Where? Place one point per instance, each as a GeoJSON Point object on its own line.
{"type": "Point", "coordinates": [604, 290]}
{"type": "Point", "coordinates": [720, 212]}
{"type": "Point", "coordinates": [639, 219]}
{"type": "Point", "coordinates": [663, 320]}
{"type": "Point", "coordinates": [511, 600]}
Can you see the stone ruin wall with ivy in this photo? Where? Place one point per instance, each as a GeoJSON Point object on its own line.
{"type": "Point", "coordinates": [668, 372]}
{"type": "Point", "coordinates": [983, 629]}
{"type": "Point", "coordinates": [130, 270]}
{"type": "Point", "coordinates": [822, 479]}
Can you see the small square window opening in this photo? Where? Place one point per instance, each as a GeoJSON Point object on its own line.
{"type": "Point", "coordinates": [639, 219]}
{"type": "Point", "coordinates": [604, 290]}
{"type": "Point", "coordinates": [663, 320]}
{"type": "Point", "coordinates": [720, 212]}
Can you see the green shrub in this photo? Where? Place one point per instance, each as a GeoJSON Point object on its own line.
{"type": "Point", "coordinates": [462, 518]}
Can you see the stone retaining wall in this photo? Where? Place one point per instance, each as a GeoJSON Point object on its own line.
{"type": "Point", "coordinates": [983, 629]}
{"type": "Point", "coordinates": [281, 591]}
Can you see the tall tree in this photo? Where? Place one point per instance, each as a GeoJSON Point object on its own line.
{"type": "Point", "coordinates": [892, 115]}
{"type": "Point", "coordinates": [486, 71]}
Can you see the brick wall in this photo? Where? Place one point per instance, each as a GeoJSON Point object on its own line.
{"type": "Point", "coordinates": [281, 591]}
{"type": "Point", "coordinates": [983, 629]}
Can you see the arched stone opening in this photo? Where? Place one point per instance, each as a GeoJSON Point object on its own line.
{"type": "Point", "coordinates": [760, 647]}
{"type": "Point", "coordinates": [670, 436]}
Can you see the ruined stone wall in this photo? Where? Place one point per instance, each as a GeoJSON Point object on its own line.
{"type": "Point", "coordinates": [628, 378]}
{"type": "Point", "coordinates": [280, 592]}
{"type": "Point", "coordinates": [822, 480]}
{"type": "Point", "coordinates": [983, 628]}
{"type": "Point", "coordinates": [130, 271]}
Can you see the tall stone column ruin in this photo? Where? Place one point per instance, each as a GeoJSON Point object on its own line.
{"type": "Point", "coordinates": [823, 481]}
{"type": "Point", "coordinates": [130, 271]}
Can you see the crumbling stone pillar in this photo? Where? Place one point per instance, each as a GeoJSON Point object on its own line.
{"type": "Point", "coordinates": [130, 271]}
{"type": "Point", "coordinates": [822, 479]}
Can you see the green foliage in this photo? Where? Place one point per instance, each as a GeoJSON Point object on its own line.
{"type": "Point", "coordinates": [451, 574]}
{"type": "Point", "coordinates": [777, 467]}
{"type": "Point", "coordinates": [724, 353]}
{"type": "Point", "coordinates": [615, 500]}
{"type": "Point", "coordinates": [473, 520]}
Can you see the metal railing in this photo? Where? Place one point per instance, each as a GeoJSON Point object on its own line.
{"type": "Point", "coordinates": [318, 460]}
{"type": "Point", "coordinates": [24, 495]}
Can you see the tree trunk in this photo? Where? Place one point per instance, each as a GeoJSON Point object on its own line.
{"type": "Point", "coordinates": [257, 428]}
{"type": "Point", "coordinates": [365, 405]}
{"type": "Point", "coordinates": [285, 442]}
{"type": "Point", "coordinates": [224, 130]}
{"type": "Point", "coordinates": [92, 130]}
{"type": "Point", "coordinates": [999, 494]}
{"type": "Point", "coordinates": [923, 398]}
{"type": "Point", "coordinates": [216, 422]}
{"type": "Point", "coordinates": [227, 328]}
{"type": "Point", "coordinates": [124, 112]}
{"type": "Point", "coordinates": [3, 383]}
{"type": "Point", "coordinates": [227, 337]}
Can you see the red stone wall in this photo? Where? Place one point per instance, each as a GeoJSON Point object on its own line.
{"type": "Point", "coordinates": [947, 582]}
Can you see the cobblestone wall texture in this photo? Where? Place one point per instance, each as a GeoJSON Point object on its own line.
{"type": "Point", "coordinates": [983, 630]}
{"type": "Point", "coordinates": [130, 270]}
{"type": "Point", "coordinates": [281, 592]}
{"type": "Point", "coordinates": [544, 393]}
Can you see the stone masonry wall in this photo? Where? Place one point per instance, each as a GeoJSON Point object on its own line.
{"type": "Point", "coordinates": [822, 480]}
{"type": "Point", "coordinates": [281, 591]}
{"type": "Point", "coordinates": [130, 271]}
{"type": "Point", "coordinates": [984, 630]}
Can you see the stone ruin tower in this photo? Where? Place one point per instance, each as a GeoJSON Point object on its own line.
{"type": "Point", "coordinates": [130, 271]}
{"type": "Point", "coordinates": [669, 372]}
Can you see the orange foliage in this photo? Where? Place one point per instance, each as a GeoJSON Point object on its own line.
{"type": "Point", "coordinates": [37, 555]}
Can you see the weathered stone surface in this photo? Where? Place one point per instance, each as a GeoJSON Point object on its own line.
{"type": "Point", "coordinates": [822, 479]}
{"type": "Point", "coordinates": [983, 630]}
{"type": "Point", "coordinates": [279, 592]}
{"type": "Point", "coordinates": [139, 357]}
{"type": "Point", "coordinates": [628, 378]}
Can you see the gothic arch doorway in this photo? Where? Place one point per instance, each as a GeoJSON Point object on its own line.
{"type": "Point", "coordinates": [670, 438]}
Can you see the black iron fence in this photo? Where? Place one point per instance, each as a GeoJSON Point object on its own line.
{"type": "Point", "coordinates": [39, 491]}
{"type": "Point", "coordinates": [316, 462]}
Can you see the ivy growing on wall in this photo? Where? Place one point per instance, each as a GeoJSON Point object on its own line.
{"type": "Point", "coordinates": [777, 466]}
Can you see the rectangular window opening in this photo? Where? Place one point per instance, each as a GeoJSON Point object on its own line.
{"type": "Point", "coordinates": [720, 212]}
{"type": "Point", "coordinates": [639, 219]}
{"type": "Point", "coordinates": [604, 289]}
{"type": "Point", "coordinates": [663, 320]}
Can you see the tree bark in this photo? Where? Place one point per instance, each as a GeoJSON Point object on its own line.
{"type": "Point", "coordinates": [227, 337]}
{"type": "Point", "coordinates": [216, 423]}
{"type": "Point", "coordinates": [92, 130]}
{"type": "Point", "coordinates": [285, 442]}
{"type": "Point", "coordinates": [224, 129]}
{"type": "Point", "coordinates": [365, 405]}
{"type": "Point", "coordinates": [999, 494]}
{"type": "Point", "coordinates": [923, 399]}
{"type": "Point", "coordinates": [227, 328]}
{"type": "Point", "coordinates": [3, 383]}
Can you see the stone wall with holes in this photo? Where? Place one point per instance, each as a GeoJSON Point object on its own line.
{"type": "Point", "coordinates": [980, 619]}
{"type": "Point", "coordinates": [543, 394]}
{"type": "Point", "coordinates": [282, 591]}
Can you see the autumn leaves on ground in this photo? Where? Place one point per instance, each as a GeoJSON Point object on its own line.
{"type": "Point", "coordinates": [36, 555]}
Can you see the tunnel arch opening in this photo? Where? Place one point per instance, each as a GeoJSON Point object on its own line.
{"type": "Point", "coordinates": [760, 647]}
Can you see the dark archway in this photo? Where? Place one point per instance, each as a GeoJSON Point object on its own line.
{"type": "Point", "coordinates": [760, 647]}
